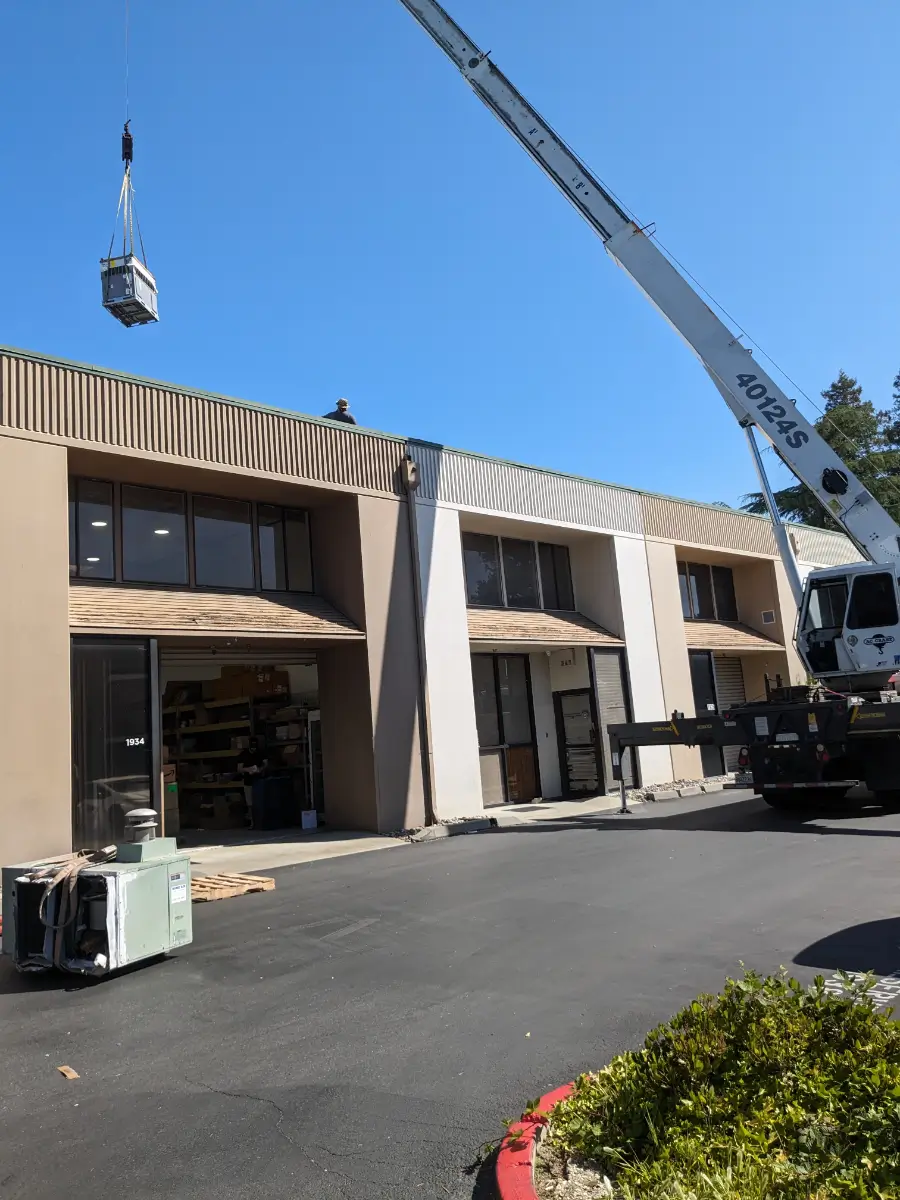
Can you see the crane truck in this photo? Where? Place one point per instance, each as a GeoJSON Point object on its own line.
{"type": "Point", "coordinates": [805, 745]}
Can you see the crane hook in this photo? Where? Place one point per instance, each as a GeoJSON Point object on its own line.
{"type": "Point", "coordinates": [127, 143]}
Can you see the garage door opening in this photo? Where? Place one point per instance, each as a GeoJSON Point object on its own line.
{"type": "Point", "coordinates": [240, 741]}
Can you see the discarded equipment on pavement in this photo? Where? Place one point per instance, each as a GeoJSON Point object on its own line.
{"type": "Point", "coordinates": [95, 912]}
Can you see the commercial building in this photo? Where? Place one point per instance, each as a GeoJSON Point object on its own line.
{"type": "Point", "coordinates": [232, 612]}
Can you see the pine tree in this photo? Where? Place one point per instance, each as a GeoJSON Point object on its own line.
{"type": "Point", "coordinates": [868, 441]}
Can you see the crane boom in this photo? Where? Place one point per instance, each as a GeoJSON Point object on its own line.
{"type": "Point", "coordinates": [750, 393]}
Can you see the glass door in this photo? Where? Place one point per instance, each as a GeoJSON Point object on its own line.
{"type": "Point", "coordinates": [703, 682]}
{"type": "Point", "coordinates": [112, 737]}
{"type": "Point", "coordinates": [576, 726]}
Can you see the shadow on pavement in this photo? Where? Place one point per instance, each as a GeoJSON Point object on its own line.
{"type": "Point", "coordinates": [486, 1180]}
{"type": "Point", "coordinates": [873, 946]}
{"type": "Point", "coordinates": [748, 815]}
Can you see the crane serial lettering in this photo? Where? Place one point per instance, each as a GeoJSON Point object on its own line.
{"type": "Point", "coordinates": [772, 411]}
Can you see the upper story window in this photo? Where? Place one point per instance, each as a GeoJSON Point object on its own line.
{"type": "Point", "coordinates": [91, 530]}
{"type": "Point", "coordinates": [515, 573]}
{"type": "Point", "coordinates": [153, 535]}
{"type": "Point", "coordinates": [707, 592]}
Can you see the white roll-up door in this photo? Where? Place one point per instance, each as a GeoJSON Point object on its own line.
{"type": "Point", "coordinates": [613, 709]}
{"type": "Point", "coordinates": [729, 675]}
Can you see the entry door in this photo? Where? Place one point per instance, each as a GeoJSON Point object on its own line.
{"type": "Point", "coordinates": [112, 737]}
{"type": "Point", "coordinates": [576, 727]}
{"type": "Point", "coordinates": [704, 685]}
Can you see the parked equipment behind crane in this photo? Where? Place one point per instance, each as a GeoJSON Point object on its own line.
{"type": "Point", "coordinates": [129, 290]}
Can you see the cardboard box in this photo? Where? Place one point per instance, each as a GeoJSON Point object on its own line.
{"type": "Point", "coordinates": [169, 773]}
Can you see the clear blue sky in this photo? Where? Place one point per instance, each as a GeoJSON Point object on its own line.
{"type": "Point", "coordinates": [329, 211]}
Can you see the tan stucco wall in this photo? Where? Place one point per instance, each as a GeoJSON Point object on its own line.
{"type": "Point", "coordinates": [369, 693]}
{"type": "Point", "coordinates": [672, 648]}
{"type": "Point", "coordinates": [35, 714]}
{"type": "Point", "coordinates": [595, 581]}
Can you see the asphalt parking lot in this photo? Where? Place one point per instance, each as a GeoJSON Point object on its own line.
{"type": "Point", "coordinates": [358, 1032]}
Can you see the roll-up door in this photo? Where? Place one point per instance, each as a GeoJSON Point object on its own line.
{"type": "Point", "coordinates": [729, 692]}
{"type": "Point", "coordinates": [613, 708]}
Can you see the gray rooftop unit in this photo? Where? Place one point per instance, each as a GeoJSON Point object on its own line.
{"type": "Point", "coordinates": [129, 290]}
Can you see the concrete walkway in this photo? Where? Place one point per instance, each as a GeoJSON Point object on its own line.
{"type": "Point", "coordinates": [265, 851]}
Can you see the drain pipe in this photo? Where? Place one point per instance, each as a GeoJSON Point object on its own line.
{"type": "Point", "coordinates": [411, 477]}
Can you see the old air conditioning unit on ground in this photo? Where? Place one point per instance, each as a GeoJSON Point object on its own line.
{"type": "Point", "coordinates": [96, 912]}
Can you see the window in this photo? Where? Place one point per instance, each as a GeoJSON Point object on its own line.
{"type": "Point", "coordinates": [520, 574]}
{"type": "Point", "coordinates": [140, 535]}
{"type": "Point", "coordinates": [91, 540]}
{"type": "Point", "coordinates": [154, 536]}
{"type": "Point", "coordinates": [556, 576]}
{"type": "Point", "coordinates": [487, 720]}
{"type": "Point", "coordinates": [723, 591]}
{"type": "Point", "coordinates": [827, 604]}
{"type": "Point", "coordinates": [223, 543]}
{"type": "Point", "coordinates": [516, 573]}
{"type": "Point", "coordinates": [514, 701]}
{"type": "Point", "coordinates": [481, 556]}
{"type": "Point", "coordinates": [284, 554]}
{"type": "Point", "coordinates": [707, 593]}
{"type": "Point", "coordinates": [873, 602]}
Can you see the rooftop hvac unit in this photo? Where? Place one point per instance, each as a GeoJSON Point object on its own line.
{"type": "Point", "coordinates": [93, 913]}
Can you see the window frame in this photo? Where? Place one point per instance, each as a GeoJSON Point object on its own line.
{"type": "Point", "coordinates": [683, 568]}
{"type": "Point", "coordinates": [539, 578]}
{"type": "Point", "coordinates": [118, 576]}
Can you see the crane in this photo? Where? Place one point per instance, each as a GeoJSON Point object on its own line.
{"type": "Point", "coordinates": [865, 593]}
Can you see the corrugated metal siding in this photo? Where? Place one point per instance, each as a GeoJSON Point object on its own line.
{"type": "Point", "coordinates": [698, 525]}
{"type": "Point", "coordinates": [78, 405]}
{"type": "Point", "coordinates": [483, 483]}
{"type": "Point", "coordinates": [822, 548]}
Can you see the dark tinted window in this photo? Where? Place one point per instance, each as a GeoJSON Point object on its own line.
{"type": "Point", "coordinates": [873, 602]}
{"type": "Point", "coordinates": [91, 542]}
{"type": "Point", "coordinates": [297, 549]}
{"type": "Point", "coordinates": [514, 699]}
{"type": "Point", "coordinates": [154, 536]}
{"type": "Point", "coordinates": [700, 586]}
{"type": "Point", "coordinates": [723, 588]}
{"type": "Point", "coordinates": [223, 543]}
{"type": "Point", "coordinates": [481, 556]}
{"type": "Point", "coordinates": [685, 591]}
{"type": "Point", "coordinates": [556, 576]}
{"type": "Point", "coordinates": [485, 689]}
{"type": "Point", "coordinates": [272, 563]}
{"type": "Point", "coordinates": [520, 573]}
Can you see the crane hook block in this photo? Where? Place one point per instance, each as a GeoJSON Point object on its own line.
{"type": "Point", "coordinates": [127, 144]}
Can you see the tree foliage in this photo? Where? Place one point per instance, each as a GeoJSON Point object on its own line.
{"type": "Point", "coordinates": [865, 438]}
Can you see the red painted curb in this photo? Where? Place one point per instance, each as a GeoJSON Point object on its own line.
{"type": "Point", "coordinates": [515, 1161]}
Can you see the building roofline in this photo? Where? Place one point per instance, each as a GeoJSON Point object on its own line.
{"type": "Point", "coordinates": [292, 414]}
{"type": "Point", "coordinates": [620, 487]}
{"type": "Point", "coordinates": [178, 389]}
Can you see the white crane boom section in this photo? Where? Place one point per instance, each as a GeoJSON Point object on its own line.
{"type": "Point", "coordinates": [753, 397]}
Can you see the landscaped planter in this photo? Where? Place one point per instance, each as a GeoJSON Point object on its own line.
{"type": "Point", "coordinates": [515, 1161]}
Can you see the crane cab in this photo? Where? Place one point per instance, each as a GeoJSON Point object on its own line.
{"type": "Point", "coordinates": [848, 631]}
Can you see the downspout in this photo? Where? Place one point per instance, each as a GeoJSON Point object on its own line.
{"type": "Point", "coordinates": [410, 475]}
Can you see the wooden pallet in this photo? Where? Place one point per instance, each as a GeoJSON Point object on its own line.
{"type": "Point", "coordinates": [225, 885]}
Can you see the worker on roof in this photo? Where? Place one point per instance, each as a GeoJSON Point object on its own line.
{"type": "Point", "coordinates": [341, 413]}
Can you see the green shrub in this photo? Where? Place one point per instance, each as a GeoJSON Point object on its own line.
{"type": "Point", "coordinates": [768, 1089]}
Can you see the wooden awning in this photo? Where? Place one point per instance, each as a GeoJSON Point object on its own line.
{"type": "Point", "coordinates": [492, 625]}
{"type": "Point", "coordinates": [727, 635]}
{"type": "Point", "coordinates": [162, 612]}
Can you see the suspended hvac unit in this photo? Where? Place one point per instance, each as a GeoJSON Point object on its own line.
{"type": "Point", "coordinates": [129, 289]}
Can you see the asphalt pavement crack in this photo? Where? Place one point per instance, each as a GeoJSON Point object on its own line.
{"type": "Point", "coordinates": [282, 1117]}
